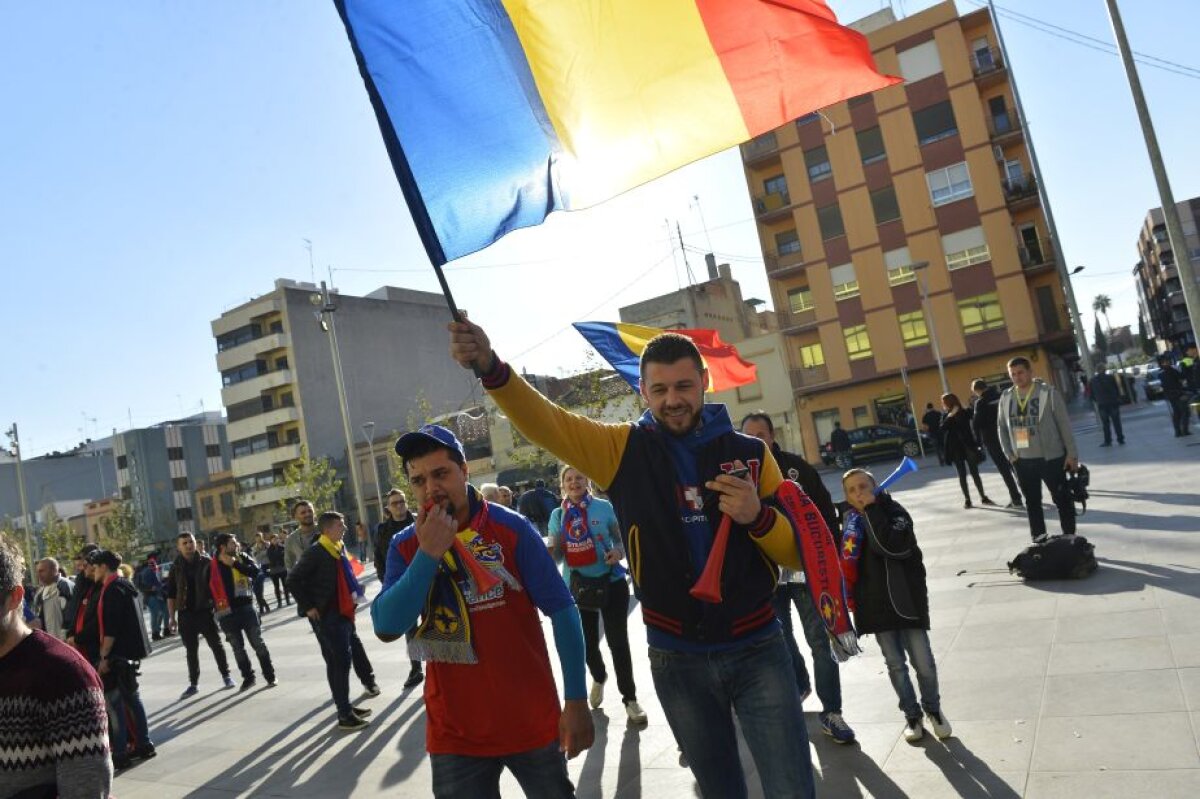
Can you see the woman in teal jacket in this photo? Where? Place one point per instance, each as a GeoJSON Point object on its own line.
{"type": "Point", "coordinates": [583, 532]}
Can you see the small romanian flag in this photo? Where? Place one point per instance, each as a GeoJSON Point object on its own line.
{"type": "Point", "coordinates": [622, 345]}
{"type": "Point", "coordinates": [497, 112]}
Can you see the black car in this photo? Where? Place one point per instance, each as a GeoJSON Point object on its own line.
{"type": "Point", "coordinates": [1153, 384]}
{"type": "Point", "coordinates": [876, 442]}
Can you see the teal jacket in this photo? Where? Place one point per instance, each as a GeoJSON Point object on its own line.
{"type": "Point", "coordinates": [603, 522]}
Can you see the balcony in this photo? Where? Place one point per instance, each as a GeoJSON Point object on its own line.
{"type": "Point", "coordinates": [244, 353]}
{"type": "Point", "coordinates": [264, 461]}
{"type": "Point", "coordinates": [256, 425]}
{"type": "Point", "coordinates": [769, 207]}
{"type": "Point", "coordinates": [1021, 192]}
{"type": "Point", "coordinates": [1037, 255]}
{"type": "Point", "coordinates": [782, 265]}
{"type": "Point", "coordinates": [807, 378]}
{"type": "Point", "coordinates": [240, 317]}
{"type": "Point", "coordinates": [250, 389]}
{"type": "Point", "coordinates": [760, 148]}
{"type": "Point", "coordinates": [1004, 128]}
{"type": "Point", "coordinates": [989, 67]}
{"type": "Point", "coordinates": [271, 495]}
{"type": "Point", "coordinates": [793, 322]}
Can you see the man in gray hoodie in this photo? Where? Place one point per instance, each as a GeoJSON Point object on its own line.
{"type": "Point", "coordinates": [1035, 434]}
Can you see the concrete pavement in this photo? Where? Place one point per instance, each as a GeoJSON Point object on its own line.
{"type": "Point", "coordinates": [1076, 689]}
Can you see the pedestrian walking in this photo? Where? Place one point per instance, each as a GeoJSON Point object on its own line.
{"type": "Point", "coordinates": [583, 532]}
{"type": "Point", "coordinates": [961, 448]}
{"type": "Point", "coordinates": [485, 650]}
{"type": "Point", "coordinates": [931, 423]}
{"type": "Point", "coordinates": [399, 517]}
{"type": "Point", "coordinates": [986, 411]}
{"type": "Point", "coordinates": [1035, 434]}
{"type": "Point", "coordinates": [150, 583]}
{"type": "Point", "coordinates": [1174, 392]}
{"type": "Point", "coordinates": [327, 592]}
{"type": "Point", "coordinates": [232, 579]}
{"type": "Point", "coordinates": [537, 504]}
{"type": "Point", "coordinates": [258, 551]}
{"type": "Point", "coordinates": [50, 602]}
{"type": "Point", "coordinates": [278, 571]}
{"type": "Point", "coordinates": [190, 608]}
{"type": "Point", "coordinates": [793, 590]}
{"type": "Point", "coordinates": [891, 598]}
{"type": "Point", "coordinates": [1107, 396]}
{"type": "Point", "coordinates": [839, 439]}
{"type": "Point", "coordinates": [79, 591]}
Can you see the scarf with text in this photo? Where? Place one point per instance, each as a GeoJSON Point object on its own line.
{"type": "Point", "coordinates": [852, 537]}
{"type": "Point", "coordinates": [578, 542]}
{"type": "Point", "coordinates": [349, 592]}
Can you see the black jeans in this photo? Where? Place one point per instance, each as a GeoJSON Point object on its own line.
{"type": "Point", "coordinates": [1004, 466]}
{"type": "Point", "coordinates": [279, 580]}
{"type": "Point", "coordinates": [961, 466]}
{"type": "Point", "coordinates": [1110, 418]}
{"type": "Point", "coordinates": [1181, 414]}
{"type": "Point", "coordinates": [239, 626]}
{"type": "Point", "coordinates": [342, 648]}
{"type": "Point", "coordinates": [1031, 473]}
{"type": "Point", "coordinates": [616, 632]}
{"type": "Point", "coordinates": [192, 625]}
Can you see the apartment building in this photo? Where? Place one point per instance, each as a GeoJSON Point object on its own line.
{"type": "Point", "coordinates": [923, 188]}
{"type": "Point", "coordinates": [278, 384]}
{"type": "Point", "coordinates": [1160, 294]}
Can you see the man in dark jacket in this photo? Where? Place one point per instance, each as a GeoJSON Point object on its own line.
{"type": "Point", "coordinates": [234, 605]}
{"type": "Point", "coordinates": [80, 590]}
{"type": "Point", "coordinates": [792, 590]}
{"type": "Point", "coordinates": [1173, 392]}
{"type": "Point", "coordinates": [931, 423]}
{"type": "Point", "coordinates": [984, 425]}
{"type": "Point", "coordinates": [537, 504]}
{"type": "Point", "coordinates": [1107, 396]}
{"type": "Point", "coordinates": [839, 439]}
{"type": "Point", "coordinates": [323, 595]}
{"type": "Point", "coordinates": [399, 517]}
{"type": "Point", "coordinates": [190, 608]}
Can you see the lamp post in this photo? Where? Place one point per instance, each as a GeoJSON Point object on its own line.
{"type": "Point", "coordinates": [919, 268]}
{"type": "Point", "coordinates": [369, 432]}
{"type": "Point", "coordinates": [26, 519]}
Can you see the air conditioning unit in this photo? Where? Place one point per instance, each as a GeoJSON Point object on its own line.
{"type": "Point", "coordinates": [998, 153]}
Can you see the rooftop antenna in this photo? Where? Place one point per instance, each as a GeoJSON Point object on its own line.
{"type": "Point", "coordinates": [674, 260]}
{"type": "Point", "coordinates": [687, 264]}
{"type": "Point", "coordinates": [312, 270]}
{"type": "Point", "coordinates": [703, 224]}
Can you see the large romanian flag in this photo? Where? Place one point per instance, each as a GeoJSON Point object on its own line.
{"type": "Point", "coordinates": [497, 112]}
{"type": "Point", "coordinates": [622, 344]}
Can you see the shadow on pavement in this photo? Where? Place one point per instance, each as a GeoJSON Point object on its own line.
{"type": "Point", "coordinates": [847, 771]}
{"type": "Point", "coordinates": [1121, 576]}
{"type": "Point", "coordinates": [970, 776]}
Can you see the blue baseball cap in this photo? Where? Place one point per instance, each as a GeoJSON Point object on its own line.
{"type": "Point", "coordinates": [429, 432]}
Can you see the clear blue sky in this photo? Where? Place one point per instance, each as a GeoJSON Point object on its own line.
{"type": "Point", "coordinates": [161, 162]}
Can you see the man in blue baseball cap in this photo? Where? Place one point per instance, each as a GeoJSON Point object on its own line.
{"type": "Point", "coordinates": [477, 638]}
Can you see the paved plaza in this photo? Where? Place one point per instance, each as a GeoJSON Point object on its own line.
{"type": "Point", "coordinates": [1064, 689]}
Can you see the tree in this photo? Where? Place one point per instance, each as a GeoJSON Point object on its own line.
{"type": "Point", "coordinates": [1101, 343]}
{"type": "Point", "coordinates": [309, 478]}
{"type": "Point", "coordinates": [59, 539]}
{"type": "Point", "coordinates": [122, 530]}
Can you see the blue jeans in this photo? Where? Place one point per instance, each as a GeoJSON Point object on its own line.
{"type": "Point", "coordinates": [124, 704]}
{"type": "Point", "coordinates": [829, 680]}
{"type": "Point", "coordinates": [894, 644]}
{"type": "Point", "coordinates": [697, 692]}
{"type": "Point", "coordinates": [541, 773]}
{"type": "Point", "coordinates": [342, 648]}
{"type": "Point", "coordinates": [240, 625]}
{"type": "Point", "coordinates": [158, 613]}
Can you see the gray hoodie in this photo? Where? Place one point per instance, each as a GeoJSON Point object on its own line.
{"type": "Point", "coordinates": [1050, 435]}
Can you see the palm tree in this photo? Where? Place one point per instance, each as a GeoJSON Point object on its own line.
{"type": "Point", "coordinates": [1101, 305]}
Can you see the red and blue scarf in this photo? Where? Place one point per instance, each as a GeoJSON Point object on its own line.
{"type": "Point", "coordinates": [579, 545]}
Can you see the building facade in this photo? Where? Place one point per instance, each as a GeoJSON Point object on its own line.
{"type": "Point", "coordinates": [216, 507]}
{"type": "Point", "coordinates": [1160, 294]}
{"type": "Point", "coordinates": [278, 383]}
{"type": "Point", "coordinates": [82, 474]}
{"type": "Point", "coordinates": [923, 189]}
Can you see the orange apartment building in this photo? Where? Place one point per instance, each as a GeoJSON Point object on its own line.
{"type": "Point", "coordinates": [933, 170]}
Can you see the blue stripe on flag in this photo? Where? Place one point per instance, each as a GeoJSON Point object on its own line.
{"type": "Point", "coordinates": [612, 348]}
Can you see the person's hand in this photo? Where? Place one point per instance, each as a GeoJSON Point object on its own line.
{"type": "Point", "coordinates": [612, 557]}
{"type": "Point", "coordinates": [739, 498]}
{"type": "Point", "coordinates": [575, 730]}
{"type": "Point", "coordinates": [1072, 464]}
{"type": "Point", "coordinates": [436, 530]}
{"type": "Point", "coordinates": [313, 614]}
{"type": "Point", "coordinates": [470, 346]}
{"type": "Point", "coordinates": [102, 667]}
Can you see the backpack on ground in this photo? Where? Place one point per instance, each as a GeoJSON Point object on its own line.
{"type": "Point", "coordinates": [1063, 557]}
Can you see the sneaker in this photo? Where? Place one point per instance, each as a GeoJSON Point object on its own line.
{"type": "Point", "coordinates": [967, 504]}
{"type": "Point", "coordinates": [121, 762]}
{"type": "Point", "coordinates": [1041, 539]}
{"type": "Point", "coordinates": [635, 712]}
{"type": "Point", "coordinates": [145, 752]}
{"type": "Point", "coordinates": [1121, 441]}
{"type": "Point", "coordinates": [941, 726]}
{"type": "Point", "coordinates": [352, 723]}
{"type": "Point", "coordinates": [192, 690]}
{"type": "Point", "coordinates": [913, 731]}
{"type": "Point", "coordinates": [156, 637]}
{"type": "Point", "coordinates": [833, 725]}
{"type": "Point", "coordinates": [247, 684]}
{"type": "Point", "coordinates": [1016, 504]}
{"type": "Point", "coordinates": [361, 712]}
{"type": "Point", "coordinates": [986, 501]}
{"type": "Point", "coordinates": [596, 696]}
{"type": "Point", "coordinates": [272, 682]}
{"type": "Point", "coordinates": [415, 678]}
{"type": "Point", "coordinates": [372, 689]}
{"type": "Point", "coordinates": [228, 681]}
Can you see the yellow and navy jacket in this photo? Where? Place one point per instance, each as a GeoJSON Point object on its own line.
{"type": "Point", "coordinates": [661, 505]}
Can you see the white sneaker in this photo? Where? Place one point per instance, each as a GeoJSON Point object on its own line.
{"type": "Point", "coordinates": [635, 712]}
{"type": "Point", "coordinates": [596, 697]}
{"type": "Point", "coordinates": [941, 725]}
{"type": "Point", "coordinates": [913, 731]}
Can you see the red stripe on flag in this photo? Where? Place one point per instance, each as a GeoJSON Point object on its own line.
{"type": "Point", "coordinates": [726, 368]}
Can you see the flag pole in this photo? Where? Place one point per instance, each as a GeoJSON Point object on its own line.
{"type": "Point", "coordinates": [441, 276]}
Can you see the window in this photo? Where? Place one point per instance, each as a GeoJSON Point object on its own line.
{"type": "Point", "coordinates": [845, 281]}
{"type": "Point", "coordinates": [776, 185]}
{"type": "Point", "coordinates": [286, 400]}
{"type": "Point", "coordinates": [244, 372]}
{"type": "Point", "coordinates": [804, 120]}
{"type": "Point", "coordinates": [884, 204]}
{"type": "Point", "coordinates": [870, 145]}
{"type": "Point", "coordinates": [920, 61]}
{"type": "Point", "coordinates": [829, 219]}
{"type": "Point", "coordinates": [179, 483]}
{"type": "Point", "coordinates": [800, 300]}
{"type": "Point", "coordinates": [899, 266]}
{"type": "Point", "coordinates": [183, 514]}
{"type": "Point", "coordinates": [812, 356]}
{"type": "Point", "coordinates": [817, 161]}
{"type": "Point", "coordinates": [122, 461]}
{"type": "Point", "coordinates": [212, 450]}
{"type": "Point", "coordinates": [935, 122]}
{"type": "Point", "coordinates": [980, 313]}
{"type": "Point", "coordinates": [862, 416]}
{"type": "Point", "coordinates": [949, 184]}
{"type": "Point", "coordinates": [912, 329]}
{"type": "Point", "coordinates": [1048, 308]}
{"type": "Point", "coordinates": [244, 410]}
{"type": "Point", "coordinates": [281, 363]}
{"type": "Point", "coordinates": [1013, 171]}
{"type": "Point", "coordinates": [174, 453]}
{"type": "Point", "coordinates": [277, 326]}
{"type": "Point", "coordinates": [787, 243]}
{"type": "Point", "coordinates": [237, 337]}
{"type": "Point", "coordinates": [965, 248]}
{"type": "Point", "coordinates": [206, 507]}
{"type": "Point", "coordinates": [226, 502]}
{"type": "Point", "coordinates": [858, 343]}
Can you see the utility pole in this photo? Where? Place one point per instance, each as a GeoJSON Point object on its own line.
{"type": "Point", "coordinates": [1183, 262]}
{"type": "Point", "coordinates": [369, 432]}
{"type": "Point", "coordinates": [919, 267]}
{"type": "Point", "coordinates": [26, 521]}
{"type": "Point", "coordinates": [325, 318]}
{"type": "Point", "coordinates": [1085, 356]}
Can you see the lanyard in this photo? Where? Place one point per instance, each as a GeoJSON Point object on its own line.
{"type": "Point", "coordinates": [1023, 403]}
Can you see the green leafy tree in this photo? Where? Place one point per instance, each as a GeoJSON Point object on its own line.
{"type": "Point", "coordinates": [309, 478]}
{"type": "Point", "coordinates": [122, 531]}
{"type": "Point", "coordinates": [59, 539]}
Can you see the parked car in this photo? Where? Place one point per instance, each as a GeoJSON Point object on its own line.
{"type": "Point", "coordinates": [876, 442]}
{"type": "Point", "coordinates": [1153, 384]}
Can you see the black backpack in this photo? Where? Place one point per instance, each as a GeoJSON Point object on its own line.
{"type": "Point", "coordinates": [1063, 557]}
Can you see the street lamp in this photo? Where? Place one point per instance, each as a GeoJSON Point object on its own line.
{"type": "Point", "coordinates": [369, 432]}
{"type": "Point", "coordinates": [919, 269]}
